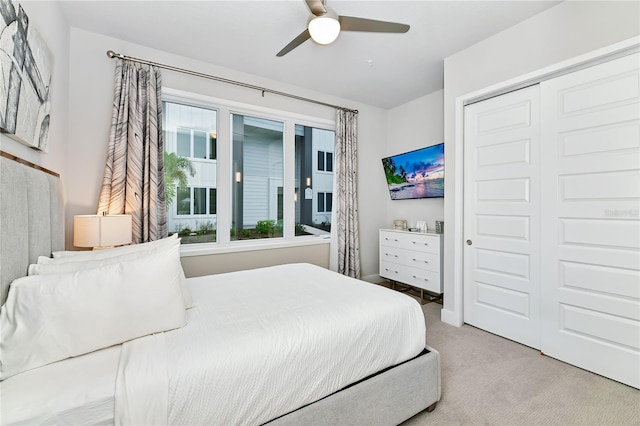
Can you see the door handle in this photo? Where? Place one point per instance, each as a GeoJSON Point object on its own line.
{"type": "Point", "coordinates": [469, 242]}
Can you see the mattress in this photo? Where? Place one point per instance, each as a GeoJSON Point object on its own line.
{"type": "Point", "coordinates": [258, 344]}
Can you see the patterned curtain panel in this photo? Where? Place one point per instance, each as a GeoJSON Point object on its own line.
{"type": "Point", "coordinates": [345, 217]}
{"type": "Point", "coordinates": [133, 178]}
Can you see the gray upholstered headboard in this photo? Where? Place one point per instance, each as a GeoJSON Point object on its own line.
{"type": "Point", "coordinates": [31, 219]}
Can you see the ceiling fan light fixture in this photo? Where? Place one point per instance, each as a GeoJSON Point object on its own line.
{"type": "Point", "coordinates": [324, 29]}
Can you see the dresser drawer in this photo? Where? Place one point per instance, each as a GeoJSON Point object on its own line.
{"type": "Point", "coordinates": [390, 270]}
{"type": "Point", "coordinates": [414, 258]}
{"type": "Point", "coordinates": [411, 241]}
{"type": "Point", "coordinates": [427, 280]}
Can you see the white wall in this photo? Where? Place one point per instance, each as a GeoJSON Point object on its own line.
{"type": "Point", "coordinates": [570, 29]}
{"type": "Point", "coordinates": [411, 126]}
{"type": "Point", "coordinates": [91, 96]}
{"type": "Point", "coordinates": [50, 23]}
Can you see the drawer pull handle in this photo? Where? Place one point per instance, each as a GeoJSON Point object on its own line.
{"type": "Point", "coordinates": [426, 279]}
{"type": "Point", "coordinates": [388, 254]}
{"type": "Point", "coordinates": [416, 260]}
{"type": "Point", "coordinates": [416, 242]}
{"type": "Point", "coordinates": [388, 270]}
{"type": "Point", "coordinates": [387, 239]}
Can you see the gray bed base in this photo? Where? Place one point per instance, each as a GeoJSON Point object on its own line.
{"type": "Point", "coordinates": [32, 225]}
{"type": "Point", "coordinates": [388, 398]}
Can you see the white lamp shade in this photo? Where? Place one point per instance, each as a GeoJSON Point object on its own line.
{"type": "Point", "coordinates": [101, 231]}
{"type": "Point", "coordinates": [324, 29]}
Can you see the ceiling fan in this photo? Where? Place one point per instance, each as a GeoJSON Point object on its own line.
{"type": "Point", "coordinates": [324, 26]}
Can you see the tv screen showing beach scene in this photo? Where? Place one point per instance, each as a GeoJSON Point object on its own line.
{"type": "Point", "coordinates": [416, 174]}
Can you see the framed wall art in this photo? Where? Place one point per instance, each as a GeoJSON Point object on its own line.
{"type": "Point", "coordinates": [26, 66]}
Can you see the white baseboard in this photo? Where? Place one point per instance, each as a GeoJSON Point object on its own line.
{"type": "Point", "coordinates": [450, 317]}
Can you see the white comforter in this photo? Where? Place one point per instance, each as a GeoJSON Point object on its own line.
{"type": "Point", "coordinates": [265, 342]}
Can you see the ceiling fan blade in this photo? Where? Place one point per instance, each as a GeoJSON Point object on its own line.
{"type": "Point", "coordinates": [350, 23]}
{"type": "Point", "coordinates": [304, 36]}
{"type": "Point", "coordinates": [316, 7]}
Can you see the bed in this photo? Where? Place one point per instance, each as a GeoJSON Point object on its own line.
{"type": "Point", "coordinates": [289, 344]}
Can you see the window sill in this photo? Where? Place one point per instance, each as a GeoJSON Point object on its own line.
{"type": "Point", "coordinates": [204, 249]}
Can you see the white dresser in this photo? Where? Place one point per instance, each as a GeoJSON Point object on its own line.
{"type": "Point", "coordinates": [413, 258]}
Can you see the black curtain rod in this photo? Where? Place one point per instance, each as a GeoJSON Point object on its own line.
{"type": "Point", "coordinates": [112, 54]}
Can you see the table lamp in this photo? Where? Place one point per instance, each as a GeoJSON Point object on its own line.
{"type": "Point", "coordinates": [101, 231]}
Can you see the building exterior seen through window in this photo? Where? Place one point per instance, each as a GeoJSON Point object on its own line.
{"type": "Point", "coordinates": [190, 136]}
{"type": "Point", "coordinates": [258, 178]}
{"type": "Point", "coordinates": [257, 196]}
{"type": "Point", "coordinates": [314, 180]}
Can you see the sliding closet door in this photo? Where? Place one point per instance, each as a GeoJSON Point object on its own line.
{"type": "Point", "coordinates": [591, 219]}
{"type": "Point", "coordinates": [502, 216]}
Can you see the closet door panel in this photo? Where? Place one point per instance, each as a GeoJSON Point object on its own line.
{"type": "Point", "coordinates": [502, 216]}
{"type": "Point", "coordinates": [591, 219]}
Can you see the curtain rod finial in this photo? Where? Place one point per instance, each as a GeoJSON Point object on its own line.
{"type": "Point", "coordinates": [112, 54]}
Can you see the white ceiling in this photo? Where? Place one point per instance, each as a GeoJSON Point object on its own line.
{"type": "Point", "coordinates": [383, 70]}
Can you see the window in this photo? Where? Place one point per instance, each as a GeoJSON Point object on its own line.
{"type": "Point", "coordinates": [183, 201]}
{"type": "Point", "coordinates": [278, 172]}
{"type": "Point", "coordinates": [193, 143]}
{"type": "Point", "coordinates": [199, 144]}
{"type": "Point", "coordinates": [325, 161]}
{"type": "Point", "coordinates": [280, 203]}
{"type": "Point", "coordinates": [183, 142]}
{"type": "Point", "coordinates": [325, 201]}
{"type": "Point", "coordinates": [258, 171]}
{"type": "Point", "coordinates": [213, 201]}
{"type": "Point", "coordinates": [199, 201]}
{"type": "Point", "coordinates": [313, 212]}
{"type": "Point", "coordinates": [190, 138]}
{"type": "Point", "coordinates": [196, 201]}
{"type": "Point", "coordinates": [213, 146]}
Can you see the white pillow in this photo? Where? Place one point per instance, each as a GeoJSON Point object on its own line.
{"type": "Point", "coordinates": [75, 256]}
{"type": "Point", "coordinates": [47, 318]}
{"type": "Point", "coordinates": [107, 257]}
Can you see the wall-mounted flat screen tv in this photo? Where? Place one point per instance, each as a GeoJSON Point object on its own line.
{"type": "Point", "coordinates": [416, 174]}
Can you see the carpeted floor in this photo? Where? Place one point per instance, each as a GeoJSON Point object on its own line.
{"type": "Point", "coordinates": [490, 380]}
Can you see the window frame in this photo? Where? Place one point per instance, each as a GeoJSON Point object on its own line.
{"type": "Point", "coordinates": [224, 108]}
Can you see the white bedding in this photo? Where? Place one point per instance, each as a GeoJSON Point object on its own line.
{"type": "Point", "coordinates": [75, 391]}
{"type": "Point", "coordinates": [258, 345]}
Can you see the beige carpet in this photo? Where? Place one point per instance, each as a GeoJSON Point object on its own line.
{"type": "Point", "coordinates": [490, 380]}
